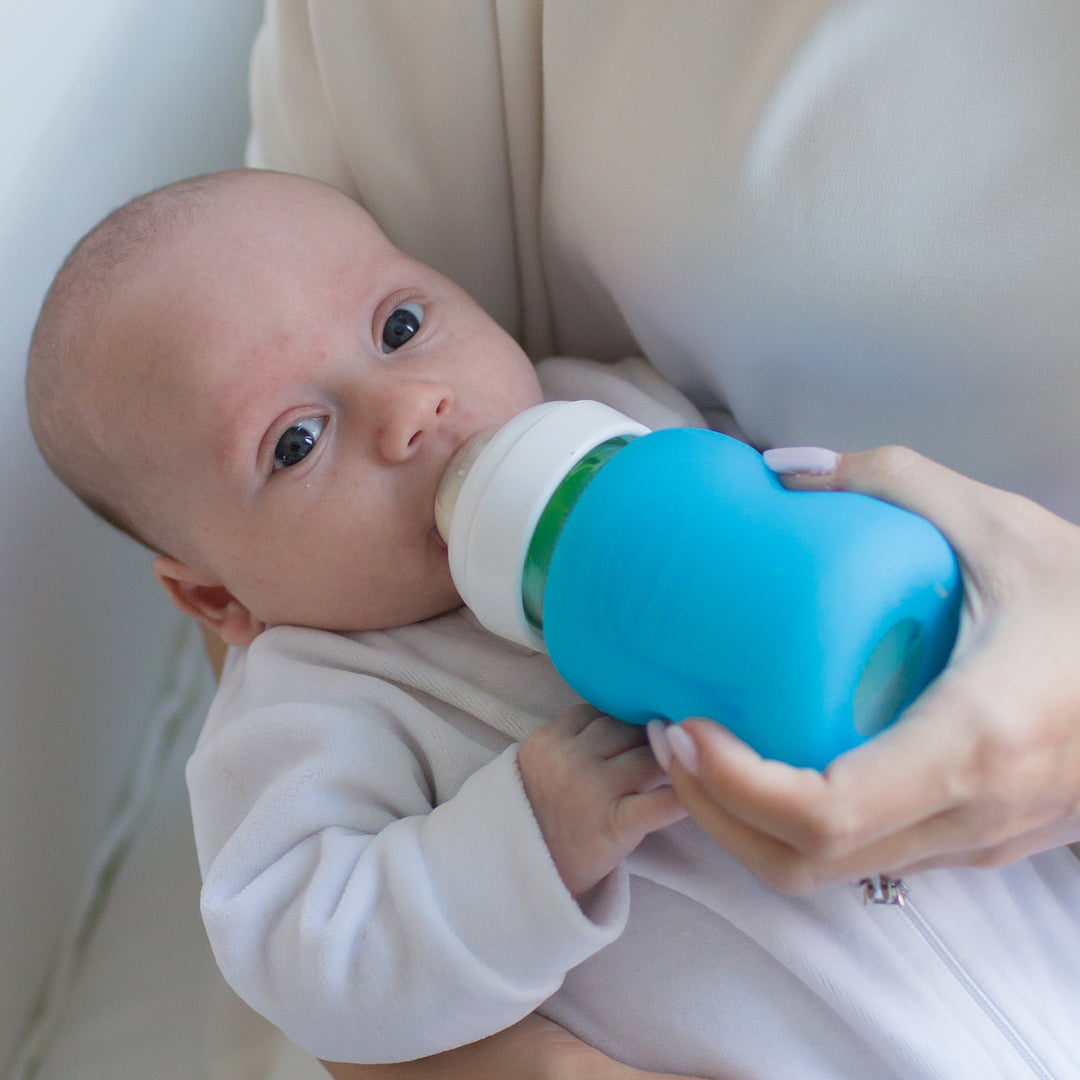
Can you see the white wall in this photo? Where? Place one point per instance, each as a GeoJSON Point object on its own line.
{"type": "Point", "coordinates": [103, 99]}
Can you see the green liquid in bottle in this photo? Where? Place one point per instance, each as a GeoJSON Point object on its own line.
{"type": "Point", "coordinates": [550, 526]}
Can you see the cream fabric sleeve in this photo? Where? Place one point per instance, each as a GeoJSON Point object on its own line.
{"type": "Point", "coordinates": [374, 880]}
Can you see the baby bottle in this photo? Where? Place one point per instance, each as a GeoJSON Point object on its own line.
{"type": "Point", "coordinates": [669, 574]}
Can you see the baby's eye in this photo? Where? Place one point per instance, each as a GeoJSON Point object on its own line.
{"type": "Point", "coordinates": [401, 325]}
{"type": "Point", "coordinates": [297, 442]}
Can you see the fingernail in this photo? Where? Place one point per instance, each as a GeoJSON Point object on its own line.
{"type": "Point", "coordinates": [658, 741]}
{"type": "Point", "coordinates": [811, 460]}
{"type": "Point", "coordinates": [682, 746]}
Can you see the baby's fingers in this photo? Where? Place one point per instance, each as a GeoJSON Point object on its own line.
{"type": "Point", "coordinates": [574, 720]}
{"type": "Point", "coordinates": [638, 815]}
{"type": "Point", "coordinates": [605, 737]}
{"type": "Point", "coordinates": [632, 771]}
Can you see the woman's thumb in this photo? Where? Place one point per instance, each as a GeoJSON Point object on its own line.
{"type": "Point", "coordinates": [954, 503]}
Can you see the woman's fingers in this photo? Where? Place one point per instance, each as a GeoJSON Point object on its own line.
{"type": "Point", "coordinates": [893, 473]}
{"type": "Point", "coordinates": [983, 768]}
{"type": "Point", "coordinates": [871, 792]}
{"type": "Point", "coordinates": [981, 522]}
{"type": "Point", "coordinates": [980, 765]}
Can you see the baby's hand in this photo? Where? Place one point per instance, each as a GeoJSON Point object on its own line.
{"type": "Point", "coordinates": [595, 789]}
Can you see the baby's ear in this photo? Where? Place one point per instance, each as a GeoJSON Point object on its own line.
{"type": "Point", "coordinates": [207, 601]}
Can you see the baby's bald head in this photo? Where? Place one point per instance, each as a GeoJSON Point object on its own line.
{"type": "Point", "coordinates": [91, 342]}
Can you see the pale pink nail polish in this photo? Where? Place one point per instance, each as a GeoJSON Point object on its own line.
{"type": "Point", "coordinates": [682, 746]}
{"type": "Point", "coordinates": [811, 460]}
{"type": "Point", "coordinates": [658, 741]}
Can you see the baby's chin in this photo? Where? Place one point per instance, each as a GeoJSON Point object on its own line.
{"type": "Point", "coordinates": [437, 603]}
{"type": "Point", "coordinates": [370, 625]}
{"type": "Point", "coordinates": [457, 605]}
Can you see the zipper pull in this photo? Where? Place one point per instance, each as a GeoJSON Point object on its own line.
{"type": "Point", "coordinates": [880, 889]}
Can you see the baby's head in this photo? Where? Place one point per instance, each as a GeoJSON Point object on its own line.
{"type": "Point", "coordinates": [244, 373]}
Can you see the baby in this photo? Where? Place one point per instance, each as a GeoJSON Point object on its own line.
{"type": "Point", "coordinates": [243, 373]}
{"type": "Point", "coordinates": [413, 834]}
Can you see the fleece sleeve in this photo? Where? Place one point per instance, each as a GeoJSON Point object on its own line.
{"type": "Point", "coordinates": [366, 923]}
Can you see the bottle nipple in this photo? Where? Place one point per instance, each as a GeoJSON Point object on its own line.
{"type": "Point", "coordinates": [494, 491]}
{"type": "Point", "coordinates": [453, 480]}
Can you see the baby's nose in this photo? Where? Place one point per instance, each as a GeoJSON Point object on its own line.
{"type": "Point", "coordinates": [412, 414]}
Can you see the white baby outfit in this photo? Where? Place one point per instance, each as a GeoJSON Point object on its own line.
{"type": "Point", "coordinates": [375, 883]}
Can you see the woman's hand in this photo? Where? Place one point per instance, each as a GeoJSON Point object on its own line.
{"type": "Point", "coordinates": [533, 1049]}
{"type": "Point", "coordinates": [984, 768]}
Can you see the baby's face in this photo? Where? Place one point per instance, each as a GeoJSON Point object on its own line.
{"type": "Point", "coordinates": [310, 384]}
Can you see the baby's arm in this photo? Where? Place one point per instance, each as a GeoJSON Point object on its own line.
{"type": "Point", "coordinates": [533, 1049]}
{"type": "Point", "coordinates": [593, 786]}
{"type": "Point", "coordinates": [335, 889]}
{"type": "Point", "coordinates": [595, 789]}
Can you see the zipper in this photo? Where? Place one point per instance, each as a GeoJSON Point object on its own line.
{"type": "Point", "coordinates": [880, 889]}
